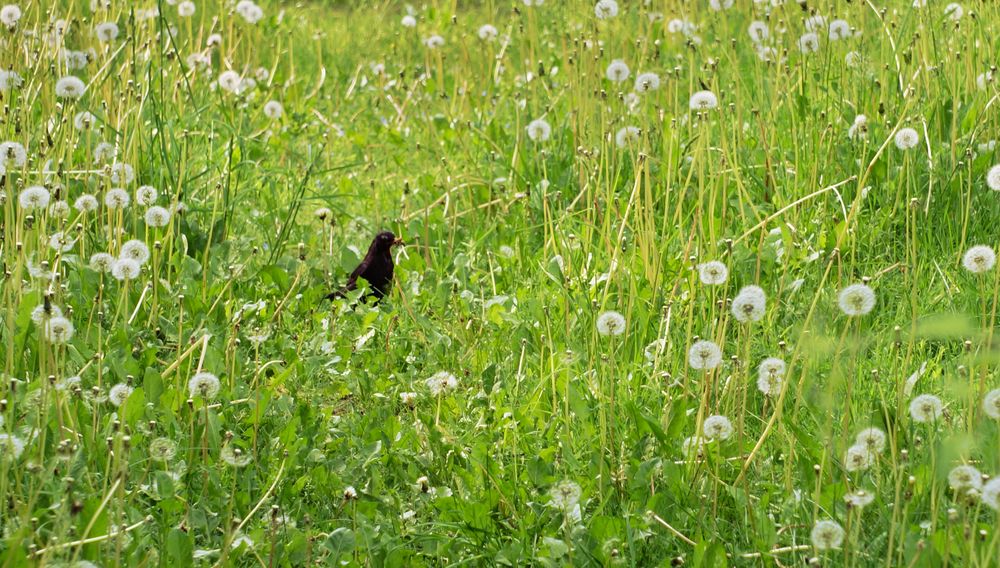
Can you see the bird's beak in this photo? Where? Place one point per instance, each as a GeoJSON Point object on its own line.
{"type": "Point", "coordinates": [398, 242]}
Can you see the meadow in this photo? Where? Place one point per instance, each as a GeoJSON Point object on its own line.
{"type": "Point", "coordinates": [685, 282]}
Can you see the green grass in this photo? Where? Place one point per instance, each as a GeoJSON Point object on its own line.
{"type": "Point", "coordinates": [325, 445]}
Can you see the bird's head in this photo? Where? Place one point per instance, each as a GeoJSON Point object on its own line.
{"type": "Point", "coordinates": [385, 240]}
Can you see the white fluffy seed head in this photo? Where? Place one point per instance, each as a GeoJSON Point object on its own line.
{"type": "Point", "coordinates": [907, 138]}
{"type": "Point", "coordinates": [704, 355]}
{"type": "Point", "coordinates": [717, 427]}
{"type": "Point", "coordinates": [611, 323]}
{"type": "Point", "coordinates": [703, 100]}
{"type": "Point", "coordinates": [993, 178]}
{"type": "Point", "coordinates": [979, 259]}
{"type": "Point", "coordinates": [856, 300]}
{"type": "Point", "coordinates": [827, 535]}
{"type": "Point", "coordinates": [991, 404]}
{"type": "Point", "coordinates": [749, 304]}
{"type": "Point", "coordinates": [713, 273]}
{"type": "Point", "coordinates": [925, 408]}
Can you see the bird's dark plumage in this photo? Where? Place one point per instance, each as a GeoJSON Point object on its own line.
{"type": "Point", "coordinates": [376, 268]}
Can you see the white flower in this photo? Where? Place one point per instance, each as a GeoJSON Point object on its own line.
{"type": "Point", "coordinates": [60, 242]}
{"type": "Point", "coordinates": [11, 446]}
{"type": "Point", "coordinates": [704, 355]}
{"type": "Point", "coordinates": [186, 9]}
{"type": "Point", "coordinates": [611, 323]}
{"type": "Point", "coordinates": [815, 23]}
{"type": "Point", "coordinates": [230, 80]}
{"type": "Point", "coordinates": [856, 300]}
{"type": "Point", "coordinates": [84, 120]}
{"type": "Point", "coordinates": [617, 71]}
{"type": "Point", "coordinates": [58, 329]}
{"type": "Point", "coordinates": [9, 80]}
{"type": "Point", "coordinates": [117, 198]}
{"type": "Point", "coordinates": [859, 129]}
{"type": "Point", "coordinates": [273, 110]}
{"type": "Point", "coordinates": [104, 152]}
{"type": "Point", "coordinates": [157, 216]}
{"type": "Point", "coordinates": [991, 494]}
{"type": "Point", "coordinates": [858, 458]}
{"type": "Point", "coordinates": [759, 32]}
{"type": "Point", "coordinates": [434, 42]}
{"type": "Point", "coordinates": [408, 21]}
{"type": "Point", "coordinates": [717, 427]}
{"type": "Point", "coordinates": [565, 496]}
{"type": "Point", "coordinates": [859, 498]}
{"type": "Point", "coordinates": [205, 385]}
{"type": "Point", "coordinates": [441, 382]}
{"type": "Point", "coordinates": [126, 269]}
{"type": "Point", "coordinates": [826, 535]}
{"type": "Point", "coordinates": [646, 82]}
{"type": "Point", "coordinates": [627, 136]}
{"type": "Point", "coordinates": [713, 273]}
{"type": "Point", "coordinates": [539, 130]}
{"type": "Point", "coordinates": [925, 408]}
{"type": "Point", "coordinates": [119, 394]}
{"type": "Point", "coordinates": [991, 404]}
{"type": "Point", "coordinates": [251, 12]}
{"type": "Point", "coordinates": [954, 11]}
{"type": "Point", "coordinates": [703, 100]}
{"type": "Point", "coordinates": [13, 155]}
{"type": "Point", "coordinates": [487, 32]}
{"type": "Point", "coordinates": [122, 173]}
{"type": "Point", "coordinates": [146, 195]}
{"type": "Point", "coordinates": [770, 376]}
{"type": "Point", "coordinates": [719, 5]}
{"type": "Point", "coordinates": [106, 31]}
{"type": "Point", "coordinates": [839, 29]}
{"type": "Point", "coordinates": [102, 262]}
{"type": "Point", "coordinates": [993, 178]}
{"type": "Point", "coordinates": [749, 304]}
{"type": "Point", "coordinates": [809, 42]}
{"type": "Point", "coordinates": [33, 197]}
{"type": "Point", "coordinates": [10, 14]}
{"type": "Point", "coordinates": [41, 314]}
{"type": "Point", "coordinates": [907, 138]}
{"type": "Point", "coordinates": [979, 259]}
{"type": "Point", "coordinates": [965, 477]}
{"type": "Point", "coordinates": [85, 203]}
{"type": "Point", "coordinates": [871, 438]}
{"type": "Point", "coordinates": [135, 250]}
{"type": "Point", "coordinates": [693, 446]}
{"type": "Point", "coordinates": [605, 9]}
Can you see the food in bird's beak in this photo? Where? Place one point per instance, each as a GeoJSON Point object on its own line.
{"type": "Point", "coordinates": [398, 242]}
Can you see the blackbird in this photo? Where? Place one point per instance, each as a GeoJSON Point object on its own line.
{"type": "Point", "coordinates": [376, 268]}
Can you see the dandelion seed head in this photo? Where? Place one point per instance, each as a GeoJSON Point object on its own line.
{"type": "Point", "coordinates": [906, 138]}
{"type": "Point", "coordinates": [827, 535]}
{"type": "Point", "coordinates": [859, 498]}
{"type": "Point", "coordinates": [102, 262]}
{"type": "Point", "coordinates": [611, 323]}
{"type": "Point", "coordinates": [872, 438]}
{"type": "Point", "coordinates": [759, 31]}
{"type": "Point", "coordinates": [858, 458]}
{"type": "Point", "coordinates": [441, 382]}
{"type": "Point", "coordinates": [539, 130]}
{"type": "Point", "coordinates": [750, 304]}
{"type": "Point", "coordinates": [809, 42]}
{"type": "Point", "coordinates": [703, 100]}
{"type": "Point", "coordinates": [991, 404]}
{"type": "Point", "coordinates": [146, 195]}
{"type": "Point", "coordinates": [856, 300]}
{"type": "Point", "coordinates": [565, 495]}
{"type": "Point", "coordinates": [979, 259]}
{"type": "Point", "coordinates": [106, 31]}
{"type": "Point", "coordinates": [10, 14]}
{"type": "Point", "coordinates": [11, 446]}
{"type": "Point", "coordinates": [617, 71]}
{"type": "Point", "coordinates": [606, 9]}
{"type": "Point", "coordinates": [157, 216]}
{"type": "Point", "coordinates": [965, 477]}
{"type": "Point", "coordinates": [991, 494]}
{"type": "Point", "coordinates": [713, 273]}
{"type": "Point", "coordinates": [234, 457]}
{"type": "Point", "coordinates": [136, 250]}
{"type": "Point", "coordinates": [770, 376]}
{"type": "Point", "coordinates": [204, 385]}
{"type": "Point", "coordinates": [925, 408]}
{"type": "Point", "coordinates": [704, 355]}
{"type": "Point", "coordinates": [273, 110]}
{"type": "Point", "coordinates": [162, 449]}
{"type": "Point", "coordinates": [409, 21]}
{"type": "Point", "coordinates": [119, 394]}
{"type": "Point", "coordinates": [627, 136]}
{"type": "Point", "coordinates": [487, 32]}
{"type": "Point", "coordinates": [646, 82]}
{"type": "Point", "coordinates": [117, 198]}
{"type": "Point", "coordinates": [717, 427]}
{"type": "Point", "coordinates": [33, 197]}
{"type": "Point", "coordinates": [125, 269]}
